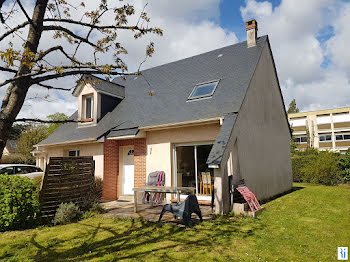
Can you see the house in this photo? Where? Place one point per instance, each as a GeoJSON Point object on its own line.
{"type": "Point", "coordinates": [10, 148]}
{"type": "Point", "coordinates": [322, 129]}
{"type": "Point", "coordinates": [220, 113]}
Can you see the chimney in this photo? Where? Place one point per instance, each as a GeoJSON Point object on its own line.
{"type": "Point", "coordinates": [252, 32]}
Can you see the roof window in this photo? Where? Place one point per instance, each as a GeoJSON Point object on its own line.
{"type": "Point", "coordinates": [203, 90]}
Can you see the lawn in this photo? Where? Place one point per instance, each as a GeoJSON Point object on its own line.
{"type": "Point", "coordinates": [305, 225]}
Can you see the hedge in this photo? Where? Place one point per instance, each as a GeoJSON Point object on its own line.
{"type": "Point", "coordinates": [19, 203]}
{"type": "Point", "coordinates": [321, 167]}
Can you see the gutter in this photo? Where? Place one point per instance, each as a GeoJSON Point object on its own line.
{"type": "Point", "coordinates": [67, 142]}
{"type": "Point", "coordinates": [174, 125]}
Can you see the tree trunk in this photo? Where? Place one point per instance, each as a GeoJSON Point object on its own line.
{"type": "Point", "coordinates": [17, 91]}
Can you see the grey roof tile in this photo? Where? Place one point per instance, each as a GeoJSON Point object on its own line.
{"type": "Point", "coordinates": [222, 139]}
{"type": "Point", "coordinates": [171, 85]}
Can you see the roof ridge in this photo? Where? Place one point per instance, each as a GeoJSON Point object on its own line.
{"type": "Point", "coordinates": [191, 57]}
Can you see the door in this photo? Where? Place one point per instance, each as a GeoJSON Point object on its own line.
{"type": "Point", "coordinates": [128, 167]}
{"type": "Point", "coordinates": [191, 167]}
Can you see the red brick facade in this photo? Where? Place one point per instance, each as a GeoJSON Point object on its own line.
{"type": "Point", "coordinates": [111, 165]}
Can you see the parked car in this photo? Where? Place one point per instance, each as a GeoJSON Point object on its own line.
{"type": "Point", "coordinates": [21, 170]}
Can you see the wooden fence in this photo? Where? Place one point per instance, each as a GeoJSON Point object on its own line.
{"type": "Point", "coordinates": [66, 179]}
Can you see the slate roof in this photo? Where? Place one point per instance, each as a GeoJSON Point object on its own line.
{"type": "Point", "coordinates": [171, 84]}
{"type": "Point", "coordinates": [217, 151]}
{"type": "Point", "coordinates": [106, 87]}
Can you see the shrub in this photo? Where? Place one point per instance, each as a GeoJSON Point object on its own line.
{"type": "Point", "coordinates": [19, 203]}
{"type": "Point", "coordinates": [313, 166]}
{"type": "Point", "coordinates": [17, 159]}
{"type": "Point", "coordinates": [345, 167]}
{"type": "Point", "coordinates": [96, 209]}
{"type": "Point", "coordinates": [67, 213]}
{"type": "Point", "coordinates": [322, 168]}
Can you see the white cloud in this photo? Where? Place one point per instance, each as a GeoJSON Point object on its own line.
{"type": "Point", "coordinates": [190, 28]}
{"type": "Point", "coordinates": [293, 27]}
{"type": "Point", "coordinates": [338, 45]}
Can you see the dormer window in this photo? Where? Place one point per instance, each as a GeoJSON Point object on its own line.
{"type": "Point", "coordinates": [89, 107]}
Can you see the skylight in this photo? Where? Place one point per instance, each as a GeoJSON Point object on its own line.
{"type": "Point", "coordinates": [203, 90]}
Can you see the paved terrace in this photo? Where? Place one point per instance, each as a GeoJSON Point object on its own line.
{"type": "Point", "coordinates": [125, 209]}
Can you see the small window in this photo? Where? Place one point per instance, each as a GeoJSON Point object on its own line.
{"type": "Point", "coordinates": [325, 138]}
{"type": "Point", "coordinates": [73, 152]}
{"type": "Point", "coordinates": [7, 171]}
{"type": "Point", "coordinates": [13, 144]}
{"type": "Point", "coordinates": [339, 137]}
{"type": "Point", "coordinates": [347, 137]}
{"type": "Point", "coordinates": [89, 107]}
{"type": "Point", "coordinates": [203, 90]}
{"type": "Point", "coordinates": [131, 152]}
{"type": "Point", "coordinates": [300, 140]}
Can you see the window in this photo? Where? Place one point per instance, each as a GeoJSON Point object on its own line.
{"type": "Point", "coordinates": [325, 138]}
{"type": "Point", "coordinates": [203, 90]}
{"type": "Point", "coordinates": [342, 137]}
{"type": "Point", "coordinates": [25, 170]}
{"type": "Point", "coordinates": [131, 152]}
{"type": "Point", "coordinates": [13, 144]}
{"type": "Point", "coordinates": [300, 140]}
{"type": "Point", "coordinates": [73, 152]}
{"type": "Point", "coordinates": [89, 107]}
{"type": "Point", "coordinates": [7, 171]}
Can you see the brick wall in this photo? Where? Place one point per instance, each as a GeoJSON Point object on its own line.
{"type": "Point", "coordinates": [111, 165]}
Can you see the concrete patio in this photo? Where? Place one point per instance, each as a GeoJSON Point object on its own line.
{"type": "Point", "coordinates": [125, 209]}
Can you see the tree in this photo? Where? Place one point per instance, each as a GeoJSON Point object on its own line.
{"type": "Point", "coordinates": [293, 107]}
{"type": "Point", "coordinates": [33, 135]}
{"type": "Point", "coordinates": [88, 38]}
{"type": "Point", "coordinates": [55, 117]}
{"type": "Point", "coordinates": [16, 131]}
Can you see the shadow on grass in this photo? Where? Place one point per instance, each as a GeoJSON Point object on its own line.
{"type": "Point", "coordinates": [294, 188]}
{"type": "Point", "coordinates": [135, 239]}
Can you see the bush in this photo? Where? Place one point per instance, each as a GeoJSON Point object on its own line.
{"type": "Point", "coordinates": [67, 213]}
{"type": "Point", "coordinates": [321, 167]}
{"type": "Point", "coordinates": [19, 203]}
{"type": "Point", "coordinates": [96, 209]}
{"type": "Point", "coordinates": [17, 159]}
{"type": "Point", "coordinates": [345, 167]}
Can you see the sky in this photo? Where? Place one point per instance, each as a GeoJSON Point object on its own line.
{"type": "Point", "coordinates": [309, 41]}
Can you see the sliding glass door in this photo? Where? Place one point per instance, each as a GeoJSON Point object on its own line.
{"type": "Point", "coordinates": [191, 169]}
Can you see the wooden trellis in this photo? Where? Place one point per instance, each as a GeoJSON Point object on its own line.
{"type": "Point", "coordinates": [66, 179]}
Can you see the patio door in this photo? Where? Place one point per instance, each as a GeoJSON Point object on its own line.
{"type": "Point", "coordinates": [191, 169]}
{"type": "Point", "coordinates": [128, 170]}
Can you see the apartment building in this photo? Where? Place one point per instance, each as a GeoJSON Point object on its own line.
{"type": "Point", "coordinates": [323, 129]}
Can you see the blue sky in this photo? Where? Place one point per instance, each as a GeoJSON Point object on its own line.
{"type": "Point", "coordinates": [231, 19]}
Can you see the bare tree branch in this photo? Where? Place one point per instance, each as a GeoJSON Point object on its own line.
{"type": "Point", "coordinates": [8, 69]}
{"type": "Point", "coordinates": [1, 16]}
{"type": "Point", "coordinates": [69, 32]}
{"type": "Point", "coordinates": [24, 12]}
{"type": "Point", "coordinates": [56, 88]}
{"type": "Point", "coordinates": [57, 48]}
{"type": "Point", "coordinates": [13, 30]}
{"type": "Point", "coordinates": [46, 121]}
{"type": "Point", "coordinates": [135, 28]}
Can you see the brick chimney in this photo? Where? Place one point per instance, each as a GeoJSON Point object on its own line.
{"type": "Point", "coordinates": [252, 32]}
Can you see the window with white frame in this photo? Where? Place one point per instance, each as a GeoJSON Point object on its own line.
{"type": "Point", "coordinates": [74, 152]}
{"type": "Point", "coordinates": [342, 137]}
{"type": "Point", "coordinates": [325, 138]}
{"type": "Point", "coordinates": [300, 139]}
{"type": "Point", "coordinates": [88, 107]}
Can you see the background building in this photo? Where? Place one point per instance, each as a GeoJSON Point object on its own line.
{"type": "Point", "coordinates": [324, 129]}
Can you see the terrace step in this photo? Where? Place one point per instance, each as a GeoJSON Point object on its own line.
{"type": "Point", "coordinates": [126, 198]}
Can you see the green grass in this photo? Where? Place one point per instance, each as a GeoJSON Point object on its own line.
{"type": "Point", "coordinates": [305, 225]}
